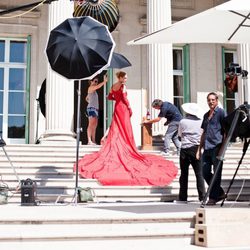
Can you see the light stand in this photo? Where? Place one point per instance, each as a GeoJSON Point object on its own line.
{"type": "Point", "coordinates": [78, 130]}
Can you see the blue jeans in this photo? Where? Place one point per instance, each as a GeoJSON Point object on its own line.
{"type": "Point", "coordinates": [92, 112]}
{"type": "Point", "coordinates": [208, 160]}
{"type": "Point", "coordinates": [172, 134]}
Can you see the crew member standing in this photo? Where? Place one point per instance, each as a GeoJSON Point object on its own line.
{"type": "Point", "coordinates": [189, 133]}
{"type": "Point", "coordinates": [211, 140]}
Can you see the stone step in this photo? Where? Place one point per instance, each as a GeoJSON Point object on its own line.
{"type": "Point", "coordinates": [37, 173]}
{"type": "Point", "coordinates": [66, 196]}
{"type": "Point", "coordinates": [125, 224]}
{"type": "Point", "coordinates": [121, 244]}
{"type": "Point", "coordinates": [225, 215]}
{"type": "Point", "coordinates": [18, 161]}
{"type": "Point", "coordinates": [221, 235]}
{"type": "Point", "coordinates": [94, 231]}
{"type": "Point", "coordinates": [62, 187]}
{"type": "Point", "coordinates": [86, 148]}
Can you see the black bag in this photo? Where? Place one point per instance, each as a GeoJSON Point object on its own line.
{"type": "Point", "coordinates": [28, 192]}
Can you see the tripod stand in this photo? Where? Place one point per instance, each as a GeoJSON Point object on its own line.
{"type": "Point", "coordinates": [245, 147]}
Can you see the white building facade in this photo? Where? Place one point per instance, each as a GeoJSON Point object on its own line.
{"type": "Point", "coordinates": [179, 74]}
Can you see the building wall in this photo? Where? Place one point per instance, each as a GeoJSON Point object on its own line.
{"type": "Point", "coordinates": [205, 59]}
{"type": "Point", "coordinates": [35, 25]}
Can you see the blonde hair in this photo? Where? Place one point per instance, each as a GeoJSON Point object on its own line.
{"type": "Point", "coordinates": [120, 74]}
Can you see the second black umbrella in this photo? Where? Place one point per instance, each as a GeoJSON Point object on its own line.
{"type": "Point", "coordinates": [119, 61]}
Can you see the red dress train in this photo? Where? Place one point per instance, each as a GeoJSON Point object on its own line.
{"type": "Point", "coordinates": [118, 162]}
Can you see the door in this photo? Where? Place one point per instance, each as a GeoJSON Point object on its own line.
{"type": "Point", "coordinates": [83, 108]}
{"type": "Point", "coordinates": [231, 100]}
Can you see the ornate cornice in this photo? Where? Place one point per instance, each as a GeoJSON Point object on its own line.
{"type": "Point", "coordinates": [180, 4]}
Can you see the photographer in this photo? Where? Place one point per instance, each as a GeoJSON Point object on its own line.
{"type": "Point", "coordinates": [173, 116]}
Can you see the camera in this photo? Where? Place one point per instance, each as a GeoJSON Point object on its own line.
{"type": "Point", "coordinates": [233, 68]}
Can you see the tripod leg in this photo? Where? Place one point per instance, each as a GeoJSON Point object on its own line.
{"type": "Point", "coordinates": [245, 147]}
{"type": "Point", "coordinates": [11, 164]}
{"type": "Point", "coordinates": [221, 155]}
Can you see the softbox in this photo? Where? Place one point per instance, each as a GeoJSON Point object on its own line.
{"type": "Point", "coordinates": [242, 128]}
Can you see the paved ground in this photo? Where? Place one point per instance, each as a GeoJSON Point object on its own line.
{"type": "Point", "coordinates": [108, 210]}
{"type": "Point", "coordinates": [95, 210]}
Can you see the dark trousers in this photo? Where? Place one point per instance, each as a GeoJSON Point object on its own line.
{"type": "Point", "coordinates": [187, 157]}
{"type": "Point", "coordinates": [208, 160]}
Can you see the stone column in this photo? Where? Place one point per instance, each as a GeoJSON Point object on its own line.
{"type": "Point", "coordinates": [160, 71]}
{"type": "Point", "coordinates": [243, 86]}
{"type": "Point", "coordinates": [59, 90]}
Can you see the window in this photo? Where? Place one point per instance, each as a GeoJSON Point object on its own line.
{"type": "Point", "coordinates": [13, 87]}
{"type": "Point", "coordinates": [2, 49]}
{"type": "Point", "coordinates": [178, 77]}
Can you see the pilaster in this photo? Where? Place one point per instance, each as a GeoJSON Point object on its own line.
{"type": "Point", "coordinates": [59, 90]}
{"type": "Point", "coordinates": [244, 89]}
{"type": "Point", "coordinates": [160, 65]}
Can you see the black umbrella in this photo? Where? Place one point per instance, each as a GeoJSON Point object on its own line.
{"type": "Point", "coordinates": [104, 11]}
{"type": "Point", "coordinates": [119, 61]}
{"type": "Point", "coordinates": [79, 48]}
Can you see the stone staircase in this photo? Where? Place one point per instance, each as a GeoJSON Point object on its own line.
{"type": "Point", "coordinates": [120, 217]}
{"type": "Point", "coordinates": [52, 169]}
{"type": "Point", "coordinates": [137, 226]}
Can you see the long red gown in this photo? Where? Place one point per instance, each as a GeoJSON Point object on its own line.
{"type": "Point", "coordinates": [118, 162]}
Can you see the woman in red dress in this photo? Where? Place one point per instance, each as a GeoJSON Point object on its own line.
{"type": "Point", "coordinates": [118, 162]}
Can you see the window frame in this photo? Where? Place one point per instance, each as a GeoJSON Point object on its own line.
{"type": "Point", "coordinates": [7, 65]}
{"type": "Point", "coordinates": [185, 73]}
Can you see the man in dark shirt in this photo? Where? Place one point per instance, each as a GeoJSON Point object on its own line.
{"type": "Point", "coordinates": [173, 116]}
{"type": "Point", "coordinates": [211, 140]}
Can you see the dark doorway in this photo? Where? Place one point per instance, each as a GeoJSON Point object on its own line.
{"type": "Point", "coordinates": [83, 107]}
